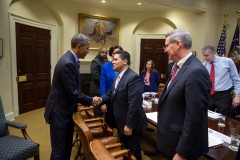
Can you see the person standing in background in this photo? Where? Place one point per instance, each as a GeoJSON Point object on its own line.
{"type": "Point", "coordinates": [182, 128]}
{"type": "Point", "coordinates": [225, 78]}
{"type": "Point", "coordinates": [95, 68]}
{"type": "Point", "coordinates": [64, 97]}
{"type": "Point", "coordinates": [126, 98]}
{"type": "Point", "coordinates": [106, 80]}
{"type": "Point", "coordinates": [150, 77]}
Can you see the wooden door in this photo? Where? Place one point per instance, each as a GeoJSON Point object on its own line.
{"type": "Point", "coordinates": [153, 49]}
{"type": "Point", "coordinates": [33, 67]}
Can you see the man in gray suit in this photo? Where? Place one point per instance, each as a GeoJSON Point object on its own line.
{"type": "Point", "coordinates": [126, 98]}
{"type": "Point", "coordinates": [182, 126]}
{"type": "Point", "coordinates": [64, 96]}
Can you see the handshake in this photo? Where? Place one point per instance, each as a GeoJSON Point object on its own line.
{"type": "Point", "coordinates": [97, 101]}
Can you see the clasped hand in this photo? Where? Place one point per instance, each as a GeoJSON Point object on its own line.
{"type": "Point", "coordinates": [96, 101]}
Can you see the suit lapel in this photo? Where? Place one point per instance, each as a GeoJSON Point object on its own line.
{"type": "Point", "coordinates": [179, 74]}
{"type": "Point", "coordinates": [120, 82]}
{"type": "Point", "coordinates": [76, 65]}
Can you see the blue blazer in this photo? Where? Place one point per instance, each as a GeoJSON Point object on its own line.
{"type": "Point", "coordinates": [64, 94]}
{"type": "Point", "coordinates": [154, 81]}
{"type": "Point", "coordinates": [106, 78]}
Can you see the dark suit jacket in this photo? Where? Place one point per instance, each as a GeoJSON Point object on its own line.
{"type": "Point", "coordinates": [127, 102]}
{"type": "Point", "coordinates": [95, 67]}
{"type": "Point", "coordinates": [64, 95]}
{"type": "Point", "coordinates": [169, 71]}
{"type": "Point", "coordinates": [182, 125]}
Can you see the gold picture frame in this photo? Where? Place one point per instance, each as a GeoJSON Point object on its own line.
{"type": "Point", "coordinates": [102, 31]}
{"type": "Point", "coordinates": [1, 47]}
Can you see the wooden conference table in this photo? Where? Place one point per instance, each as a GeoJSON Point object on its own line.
{"type": "Point", "coordinates": [222, 153]}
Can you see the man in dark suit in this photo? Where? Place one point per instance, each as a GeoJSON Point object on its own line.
{"type": "Point", "coordinates": [182, 126]}
{"type": "Point", "coordinates": [64, 96]}
{"type": "Point", "coordinates": [95, 68]}
{"type": "Point", "coordinates": [169, 71]}
{"type": "Point", "coordinates": [126, 97]}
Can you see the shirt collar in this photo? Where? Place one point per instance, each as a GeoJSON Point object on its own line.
{"type": "Point", "coordinates": [120, 74]}
{"type": "Point", "coordinates": [75, 56]}
{"type": "Point", "coordinates": [183, 60]}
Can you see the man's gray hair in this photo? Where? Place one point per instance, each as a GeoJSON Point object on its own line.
{"type": "Point", "coordinates": [181, 35]}
{"type": "Point", "coordinates": [208, 48]}
{"type": "Point", "coordinates": [79, 39]}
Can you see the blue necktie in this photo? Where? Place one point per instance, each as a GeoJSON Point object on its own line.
{"type": "Point", "coordinates": [78, 63]}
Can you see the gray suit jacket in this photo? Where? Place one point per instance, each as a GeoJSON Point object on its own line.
{"type": "Point", "coordinates": [127, 102]}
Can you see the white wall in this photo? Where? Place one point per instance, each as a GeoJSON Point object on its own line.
{"type": "Point", "coordinates": [205, 28]}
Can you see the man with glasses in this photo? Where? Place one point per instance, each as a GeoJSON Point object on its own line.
{"type": "Point", "coordinates": [182, 125]}
{"type": "Point", "coordinates": [95, 68]}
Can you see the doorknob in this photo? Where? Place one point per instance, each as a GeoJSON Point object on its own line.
{"type": "Point", "coordinates": [21, 78]}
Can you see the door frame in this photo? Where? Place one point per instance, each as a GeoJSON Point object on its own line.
{"type": "Point", "coordinates": [53, 50]}
{"type": "Point", "coordinates": [138, 46]}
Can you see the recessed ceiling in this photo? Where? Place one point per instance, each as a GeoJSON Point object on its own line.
{"type": "Point", "coordinates": [128, 5]}
{"type": "Point", "coordinates": [160, 5]}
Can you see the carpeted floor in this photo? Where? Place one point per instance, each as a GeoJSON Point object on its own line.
{"type": "Point", "coordinates": [38, 130]}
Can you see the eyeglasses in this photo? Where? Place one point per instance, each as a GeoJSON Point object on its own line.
{"type": "Point", "coordinates": [166, 46]}
{"type": "Point", "coordinates": [104, 52]}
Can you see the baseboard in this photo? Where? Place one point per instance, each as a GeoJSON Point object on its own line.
{"type": "Point", "coordinates": [10, 116]}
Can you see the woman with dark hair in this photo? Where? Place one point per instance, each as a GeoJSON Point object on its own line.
{"type": "Point", "coordinates": [106, 80]}
{"type": "Point", "coordinates": [150, 77]}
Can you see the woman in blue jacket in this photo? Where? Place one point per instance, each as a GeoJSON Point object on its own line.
{"type": "Point", "coordinates": [150, 77]}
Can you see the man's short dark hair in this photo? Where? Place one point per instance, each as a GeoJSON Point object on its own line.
{"type": "Point", "coordinates": [79, 39]}
{"type": "Point", "coordinates": [124, 55]}
{"type": "Point", "coordinates": [112, 49]}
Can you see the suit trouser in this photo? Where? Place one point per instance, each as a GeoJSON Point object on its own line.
{"type": "Point", "coordinates": [132, 143]}
{"type": "Point", "coordinates": [222, 101]}
{"type": "Point", "coordinates": [61, 141]}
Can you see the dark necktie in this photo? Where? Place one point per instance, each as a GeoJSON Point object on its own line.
{"type": "Point", "coordinates": [174, 71]}
{"type": "Point", "coordinates": [212, 77]}
{"type": "Point", "coordinates": [78, 63]}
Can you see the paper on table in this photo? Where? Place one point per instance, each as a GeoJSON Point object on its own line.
{"type": "Point", "coordinates": [213, 141]}
{"type": "Point", "coordinates": [152, 116]}
{"type": "Point", "coordinates": [219, 135]}
{"type": "Point", "coordinates": [213, 115]}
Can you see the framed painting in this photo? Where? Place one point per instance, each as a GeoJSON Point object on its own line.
{"type": "Point", "coordinates": [102, 31]}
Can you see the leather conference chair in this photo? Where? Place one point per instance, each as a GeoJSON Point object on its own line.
{"type": "Point", "coordinates": [88, 129]}
{"type": "Point", "coordinates": [14, 147]}
{"type": "Point", "coordinates": [100, 152]}
{"type": "Point", "coordinates": [87, 113]}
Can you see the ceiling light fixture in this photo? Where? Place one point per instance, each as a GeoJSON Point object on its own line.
{"type": "Point", "coordinates": [103, 1]}
{"type": "Point", "coordinates": [139, 3]}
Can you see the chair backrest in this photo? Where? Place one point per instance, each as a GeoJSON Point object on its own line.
{"type": "Point", "coordinates": [3, 127]}
{"type": "Point", "coordinates": [98, 151]}
{"type": "Point", "coordinates": [84, 133]}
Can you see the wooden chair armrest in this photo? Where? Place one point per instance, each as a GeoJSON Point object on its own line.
{"type": "Point", "coordinates": [93, 120]}
{"type": "Point", "coordinates": [113, 145]}
{"type": "Point", "coordinates": [86, 108]}
{"type": "Point", "coordinates": [120, 153]}
{"type": "Point", "coordinates": [90, 126]}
